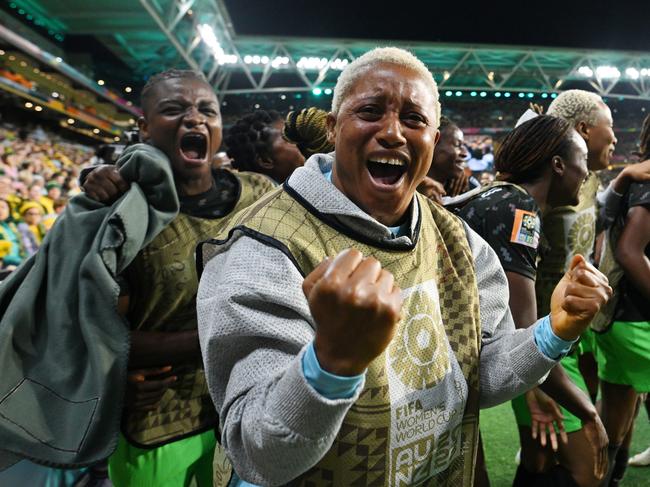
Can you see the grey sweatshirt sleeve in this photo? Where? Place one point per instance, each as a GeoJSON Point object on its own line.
{"type": "Point", "coordinates": [511, 363]}
{"type": "Point", "coordinates": [254, 326]}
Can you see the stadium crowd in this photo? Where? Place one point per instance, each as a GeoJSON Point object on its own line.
{"type": "Point", "coordinates": [367, 278]}
{"type": "Point", "coordinates": [38, 173]}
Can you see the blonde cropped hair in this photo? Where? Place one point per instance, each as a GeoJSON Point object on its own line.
{"type": "Point", "coordinates": [382, 55]}
{"type": "Point", "coordinates": [577, 106]}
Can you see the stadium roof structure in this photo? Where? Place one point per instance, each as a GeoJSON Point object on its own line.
{"type": "Point", "coordinates": [151, 35]}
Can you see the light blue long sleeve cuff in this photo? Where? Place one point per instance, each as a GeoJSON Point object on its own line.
{"type": "Point", "coordinates": [328, 385]}
{"type": "Point", "coordinates": [548, 342]}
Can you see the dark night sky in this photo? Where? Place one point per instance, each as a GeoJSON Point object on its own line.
{"type": "Point", "coordinates": [613, 24]}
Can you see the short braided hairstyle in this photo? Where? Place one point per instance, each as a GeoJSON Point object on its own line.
{"type": "Point", "coordinates": [576, 106]}
{"type": "Point", "coordinates": [378, 56]}
{"type": "Point", "coordinates": [526, 150]}
{"type": "Point", "coordinates": [250, 139]}
{"type": "Point", "coordinates": [145, 95]}
{"type": "Point", "coordinates": [307, 129]}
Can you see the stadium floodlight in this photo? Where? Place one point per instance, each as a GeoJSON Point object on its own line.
{"type": "Point", "coordinates": [38, 108]}
{"type": "Point", "coordinates": [586, 71]}
{"type": "Point", "coordinates": [607, 72]}
{"type": "Point", "coordinates": [55, 94]}
{"type": "Point", "coordinates": [448, 93]}
{"type": "Point", "coordinates": [71, 121]}
{"type": "Point", "coordinates": [100, 82]}
{"type": "Point", "coordinates": [553, 95]}
{"type": "Point", "coordinates": [632, 73]}
{"type": "Point", "coordinates": [328, 91]}
{"type": "Point", "coordinates": [483, 94]}
{"type": "Point", "coordinates": [312, 63]}
{"type": "Point", "coordinates": [497, 94]}
{"type": "Point", "coordinates": [339, 64]}
{"type": "Point", "coordinates": [95, 131]}
{"type": "Point", "coordinates": [317, 91]}
{"type": "Point", "coordinates": [58, 59]}
{"type": "Point", "coordinates": [279, 61]}
{"type": "Point", "coordinates": [459, 93]}
{"type": "Point", "coordinates": [208, 36]}
{"type": "Point", "coordinates": [473, 93]}
{"type": "Point", "coordinates": [128, 89]}
{"type": "Point", "coordinates": [521, 95]}
{"type": "Point", "coordinates": [544, 95]}
{"type": "Point", "coordinates": [283, 97]}
{"type": "Point", "coordinates": [507, 94]}
{"type": "Point", "coordinates": [29, 104]}
{"type": "Point", "coordinates": [530, 95]}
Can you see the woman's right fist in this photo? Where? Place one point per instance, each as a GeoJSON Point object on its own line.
{"type": "Point", "coordinates": [356, 306]}
{"type": "Point", "coordinates": [105, 184]}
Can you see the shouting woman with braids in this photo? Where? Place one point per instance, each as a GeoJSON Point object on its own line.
{"type": "Point", "coordinates": [168, 422]}
{"type": "Point", "coordinates": [255, 144]}
{"type": "Point", "coordinates": [542, 164]}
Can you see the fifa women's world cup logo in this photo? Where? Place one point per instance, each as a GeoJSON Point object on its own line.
{"type": "Point", "coordinates": [418, 354]}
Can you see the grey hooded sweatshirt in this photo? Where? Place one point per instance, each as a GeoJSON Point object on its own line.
{"type": "Point", "coordinates": [255, 324]}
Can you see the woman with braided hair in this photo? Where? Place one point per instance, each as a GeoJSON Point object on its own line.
{"type": "Point", "coordinates": [255, 144]}
{"type": "Point", "coordinates": [542, 164]}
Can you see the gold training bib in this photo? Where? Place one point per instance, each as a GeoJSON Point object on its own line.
{"type": "Point", "coordinates": [416, 420]}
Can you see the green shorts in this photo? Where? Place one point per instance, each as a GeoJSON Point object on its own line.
{"type": "Point", "coordinates": [587, 342]}
{"type": "Point", "coordinates": [571, 422]}
{"type": "Point", "coordinates": [623, 354]}
{"type": "Point", "coordinates": [179, 464]}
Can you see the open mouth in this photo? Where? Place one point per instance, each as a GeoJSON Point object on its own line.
{"type": "Point", "coordinates": [194, 146]}
{"type": "Point", "coordinates": [386, 172]}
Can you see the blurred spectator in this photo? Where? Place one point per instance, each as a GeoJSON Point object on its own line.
{"type": "Point", "coordinates": [486, 177]}
{"type": "Point", "coordinates": [11, 248]}
{"type": "Point", "coordinates": [31, 212]}
{"type": "Point", "coordinates": [8, 195]}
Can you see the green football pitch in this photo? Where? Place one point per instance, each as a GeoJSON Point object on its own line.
{"type": "Point", "coordinates": [501, 443]}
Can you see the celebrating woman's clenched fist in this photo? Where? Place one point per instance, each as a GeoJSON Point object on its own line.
{"type": "Point", "coordinates": [356, 306]}
{"type": "Point", "coordinates": [577, 298]}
